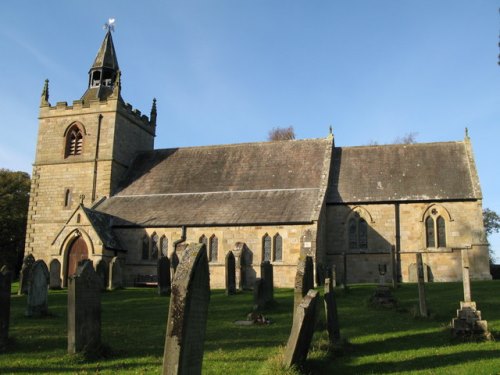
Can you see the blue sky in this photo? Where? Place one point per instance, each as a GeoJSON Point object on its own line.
{"type": "Point", "coordinates": [227, 71]}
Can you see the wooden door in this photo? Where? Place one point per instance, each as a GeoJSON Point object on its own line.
{"type": "Point", "coordinates": [76, 253]}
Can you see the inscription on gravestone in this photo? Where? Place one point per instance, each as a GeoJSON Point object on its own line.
{"type": "Point", "coordinates": [25, 274]}
{"type": "Point", "coordinates": [38, 290]}
{"type": "Point", "coordinates": [187, 314]}
{"type": "Point", "coordinates": [84, 309]}
{"type": "Point", "coordinates": [55, 274]}
{"type": "Point", "coordinates": [5, 286]}
{"type": "Point", "coordinates": [164, 286]}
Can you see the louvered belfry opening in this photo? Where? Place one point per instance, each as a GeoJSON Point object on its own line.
{"type": "Point", "coordinates": [74, 142]}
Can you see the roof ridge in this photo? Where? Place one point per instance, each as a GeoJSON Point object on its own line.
{"type": "Point", "coordinates": [419, 144]}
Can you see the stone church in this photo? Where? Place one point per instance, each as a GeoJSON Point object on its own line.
{"type": "Point", "coordinates": [100, 190]}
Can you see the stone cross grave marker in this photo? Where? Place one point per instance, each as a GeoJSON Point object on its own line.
{"type": "Point", "coordinates": [55, 274]}
{"type": "Point", "coordinates": [5, 285]}
{"type": "Point", "coordinates": [164, 285]}
{"type": "Point", "coordinates": [25, 274]}
{"type": "Point", "coordinates": [230, 273]}
{"type": "Point", "coordinates": [421, 285]}
{"type": "Point", "coordinates": [84, 309]}
{"type": "Point", "coordinates": [304, 280]}
{"type": "Point", "coordinates": [115, 274]}
{"type": "Point", "coordinates": [187, 313]}
{"type": "Point", "coordinates": [102, 273]}
{"type": "Point", "coordinates": [266, 274]}
{"type": "Point", "coordinates": [332, 318]}
{"type": "Point", "coordinates": [466, 276]}
{"type": "Point", "coordinates": [38, 290]}
{"type": "Point", "coordinates": [304, 320]}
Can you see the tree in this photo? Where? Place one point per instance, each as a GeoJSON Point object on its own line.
{"type": "Point", "coordinates": [281, 134]}
{"type": "Point", "coordinates": [491, 222]}
{"type": "Point", "coordinates": [408, 138]}
{"type": "Point", "coordinates": [14, 198]}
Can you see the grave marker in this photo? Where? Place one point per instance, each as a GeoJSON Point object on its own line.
{"type": "Point", "coordinates": [266, 274]}
{"type": "Point", "coordinates": [5, 287]}
{"type": "Point", "coordinates": [115, 274]}
{"type": "Point", "coordinates": [55, 274]}
{"type": "Point", "coordinates": [230, 273]}
{"type": "Point", "coordinates": [304, 279]}
{"type": "Point", "coordinates": [332, 319]}
{"type": "Point", "coordinates": [101, 270]}
{"type": "Point", "coordinates": [421, 285]}
{"type": "Point", "coordinates": [38, 290]}
{"type": "Point", "coordinates": [164, 286]}
{"type": "Point", "coordinates": [25, 274]}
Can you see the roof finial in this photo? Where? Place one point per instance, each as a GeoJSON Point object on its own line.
{"type": "Point", "coordinates": [82, 198]}
{"type": "Point", "coordinates": [45, 94]}
{"type": "Point", "coordinates": [330, 132]}
{"type": "Point", "coordinates": [466, 132]}
{"type": "Point", "coordinates": [110, 25]}
{"type": "Point", "coordinates": [152, 117]}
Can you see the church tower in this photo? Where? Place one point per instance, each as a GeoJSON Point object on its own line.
{"type": "Point", "coordinates": [83, 151]}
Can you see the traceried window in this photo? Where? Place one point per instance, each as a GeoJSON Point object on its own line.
{"type": "Point", "coordinates": [357, 232]}
{"type": "Point", "coordinates": [429, 232]}
{"type": "Point", "coordinates": [278, 248]}
{"type": "Point", "coordinates": [214, 249]}
{"type": "Point", "coordinates": [164, 246]}
{"type": "Point", "coordinates": [74, 141]}
{"type": "Point", "coordinates": [145, 247]}
{"type": "Point", "coordinates": [154, 246]}
{"type": "Point", "coordinates": [435, 230]}
{"type": "Point", "coordinates": [266, 248]}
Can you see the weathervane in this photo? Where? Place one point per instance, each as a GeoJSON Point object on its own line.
{"type": "Point", "coordinates": [110, 25]}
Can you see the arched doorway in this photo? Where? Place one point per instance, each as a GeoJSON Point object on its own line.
{"type": "Point", "coordinates": [77, 252]}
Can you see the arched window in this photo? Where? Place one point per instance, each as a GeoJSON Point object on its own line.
{"type": "Point", "coordinates": [154, 246]}
{"type": "Point", "coordinates": [278, 248]}
{"type": "Point", "coordinates": [145, 247]}
{"type": "Point", "coordinates": [67, 198]}
{"type": "Point", "coordinates": [164, 246]}
{"type": "Point", "coordinates": [74, 141]}
{"type": "Point", "coordinates": [78, 218]}
{"type": "Point", "coordinates": [358, 233]}
{"type": "Point", "coordinates": [429, 232]}
{"type": "Point", "coordinates": [266, 248]}
{"type": "Point", "coordinates": [441, 232]}
{"type": "Point", "coordinates": [214, 249]}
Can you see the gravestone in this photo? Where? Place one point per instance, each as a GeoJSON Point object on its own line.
{"type": "Point", "coordinates": [413, 272]}
{"type": "Point", "coordinates": [230, 273]}
{"type": "Point", "coordinates": [304, 280]}
{"type": "Point", "coordinates": [266, 274]}
{"type": "Point", "coordinates": [115, 274]}
{"type": "Point", "coordinates": [84, 309]}
{"type": "Point", "coordinates": [468, 322]}
{"type": "Point", "coordinates": [421, 285]}
{"type": "Point", "coordinates": [247, 273]}
{"type": "Point", "coordinates": [332, 318]}
{"type": "Point", "coordinates": [258, 294]}
{"type": "Point", "coordinates": [187, 313]}
{"type": "Point", "coordinates": [304, 320]}
{"type": "Point", "coordinates": [38, 290]}
{"type": "Point", "coordinates": [55, 274]}
{"type": "Point", "coordinates": [25, 274]}
{"type": "Point", "coordinates": [5, 287]}
{"type": "Point", "coordinates": [102, 273]}
{"type": "Point", "coordinates": [164, 286]}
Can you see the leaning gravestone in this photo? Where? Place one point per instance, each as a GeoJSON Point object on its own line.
{"type": "Point", "coordinates": [230, 273]}
{"type": "Point", "coordinates": [332, 318]}
{"type": "Point", "coordinates": [266, 274]}
{"type": "Point", "coordinates": [115, 274]}
{"type": "Point", "coordinates": [5, 285]}
{"type": "Point", "coordinates": [38, 292]}
{"type": "Point", "coordinates": [102, 273]}
{"type": "Point", "coordinates": [164, 286]}
{"type": "Point", "coordinates": [187, 314]}
{"type": "Point", "coordinates": [25, 274]}
{"type": "Point", "coordinates": [304, 280]}
{"type": "Point", "coordinates": [304, 320]}
{"type": "Point", "coordinates": [84, 309]}
{"type": "Point", "coordinates": [55, 274]}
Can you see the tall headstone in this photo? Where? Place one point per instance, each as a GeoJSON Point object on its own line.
{"type": "Point", "coordinates": [5, 286]}
{"type": "Point", "coordinates": [266, 274]}
{"type": "Point", "coordinates": [421, 286]}
{"type": "Point", "coordinates": [304, 279]}
{"type": "Point", "coordinates": [230, 273]}
{"type": "Point", "coordinates": [25, 274]}
{"type": "Point", "coordinates": [55, 274]}
{"type": "Point", "coordinates": [187, 314]}
{"type": "Point", "coordinates": [115, 274]}
{"type": "Point", "coordinates": [38, 290]}
{"type": "Point", "coordinates": [304, 320]}
{"type": "Point", "coordinates": [332, 318]}
{"type": "Point", "coordinates": [102, 271]}
{"type": "Point", "coordinates": [84, 309]}
{"type": "Point", "coordinates": [259, 301]}
{"type": "Point", "coordinates": [164, 285]}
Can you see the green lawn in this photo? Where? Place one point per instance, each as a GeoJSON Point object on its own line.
{"type": "Point", "coordinates": [378, 341]}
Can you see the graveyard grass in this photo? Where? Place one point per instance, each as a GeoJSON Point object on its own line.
{"type": "Point", "coordinates": [377, 341]}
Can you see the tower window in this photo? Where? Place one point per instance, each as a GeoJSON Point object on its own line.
{"type": "Point", "coordinates": [67, 198]}
{"type": "Point", "coordinates": [74, 141]}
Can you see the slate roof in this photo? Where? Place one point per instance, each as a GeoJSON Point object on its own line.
{"type": "Point", "coordinates": [252, 183]}
{"type": "Point", "coordinates": [106, 55]}
{"type": "Point", "coordinates": [101, 223]}
{"type": "Point", "coordinates": [414, 172]}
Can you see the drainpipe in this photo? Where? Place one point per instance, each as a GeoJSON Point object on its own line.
{"type": "Point", "coordinates": [94, 183]}
{"type": "Point", "coordinates": [398, 242]}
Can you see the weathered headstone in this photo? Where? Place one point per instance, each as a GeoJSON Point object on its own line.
{"type": "Point", "coordinates": [230, 273]}
{"type": "Point", "coordinates": [413, 272]}
{"type": "Point", "coordinates": [266, 274]}
{"type": "Point", "coordinates": [258, 295]}
{"type": "Point", "coordinates": [84, 309]}
{"type": "Point", "coordinates": [5, 286]}
{"type": "Point", "coordinates": [304, 279]}
{"type": "Point", "coordinates": [25, 274]}
{"type": "Point", "coordinates": [115, 274]}
{"type": "Point", "coordinates": [102, 273]}
{"type": "Point", "coordinates": [332, 319]}
{"type": "Point", "coordinates": [304, 320]}
{"type": "Point", "coordinates": [38, 290]}
{"type": "Point", "coordinates": [55, 274]}
{"type": "Point", "coordinates": [164, 286]}
{"type": "Point", "coordinates": [421, 285]}
{"type": "Point", "coordinates": [187, 314]}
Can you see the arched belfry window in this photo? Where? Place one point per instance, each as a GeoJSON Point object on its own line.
{"type": "Point", "coordinates": [435, 229]}
{"type": "Point", "coordinates": [74, 141]}
{"type": "Point", "coordinates": [214, 249]}
{"type": "Point", "coordinates": [278, 248]}
{"type": "Point", "coordinates": [266, 248]}
{"type": "Point", "coordinates": [357, 229]}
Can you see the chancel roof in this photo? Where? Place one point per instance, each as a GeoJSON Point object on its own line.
{"type": "Point", "coordinates": [404, 172]}
{"type": "Point", "coordinates": [252, 183]}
